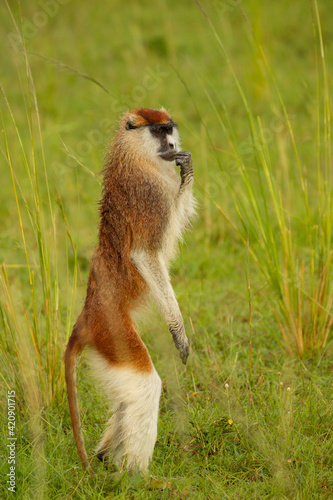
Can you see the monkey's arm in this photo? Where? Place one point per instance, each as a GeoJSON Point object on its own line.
{"type": "Point", "coordinates": [153, 270]}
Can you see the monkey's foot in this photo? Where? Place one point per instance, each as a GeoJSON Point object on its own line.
{"type": "Point", "coordinates": [104, 458]}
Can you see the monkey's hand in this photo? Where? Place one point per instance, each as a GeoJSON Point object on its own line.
{"type": "Point", "coordinates": [181, 341]}
{"type": "Point", "coordinates": [184, 159]}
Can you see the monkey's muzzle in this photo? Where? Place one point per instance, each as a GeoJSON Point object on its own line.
{"type": "Point", "coordinates": [168, 155]}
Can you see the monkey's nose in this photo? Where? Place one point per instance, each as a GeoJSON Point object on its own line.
{"type": "Point", "coordinates": [171, 145]}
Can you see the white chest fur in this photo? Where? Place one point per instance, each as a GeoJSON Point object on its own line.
{"type": "Point", "coordinates": [182, 209]}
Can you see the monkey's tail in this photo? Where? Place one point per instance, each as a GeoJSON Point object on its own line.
{"type": "Point", "coordinates": [74, 347]}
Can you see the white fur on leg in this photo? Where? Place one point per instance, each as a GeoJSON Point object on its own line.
{"type": "Point", "coordinates": [113, 441]}
{"type": "Point", "coordinates": [132, 430]}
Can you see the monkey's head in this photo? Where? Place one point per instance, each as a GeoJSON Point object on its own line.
{"type": "Point", "coordinates": [153, 133]}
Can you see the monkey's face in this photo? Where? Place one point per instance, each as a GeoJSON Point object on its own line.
{"type": "Point", "coordinates": [166, 139]}
{"type": "Point", "coordinates": [154, 132]}
{"type": "Point", "coordinates": [160, 141]}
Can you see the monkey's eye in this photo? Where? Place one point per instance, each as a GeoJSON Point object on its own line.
{"type": "Point", "coordinates": [161, 131]}
{"type": "Point", "coordinates": [158, 131]}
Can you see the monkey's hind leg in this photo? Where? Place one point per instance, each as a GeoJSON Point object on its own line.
{"type": "Point", "coordinates": [112, 444]}
{"type": "Point", "coordinates": [132, 430]}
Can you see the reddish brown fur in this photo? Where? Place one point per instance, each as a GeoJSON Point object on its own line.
{"type": "Point", "coordinates": [146, 116]}
{"type": "Point", "coordinates": [134, 210]}
{"type": "Point", "coordinates": [74, 347]}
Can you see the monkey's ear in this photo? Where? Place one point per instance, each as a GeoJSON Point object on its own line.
{"type": "Point", "coordinates": [130, 126]}
{"type": "Point", "coordinates": [130, 123]}
{"type": "Point", "coordinates": [163, 110]}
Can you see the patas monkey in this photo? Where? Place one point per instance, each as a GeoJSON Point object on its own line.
{"type": "Point", "coordinates": [143, 211]}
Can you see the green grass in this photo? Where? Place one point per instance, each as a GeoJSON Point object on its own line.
{"type": "Point", "coordinates": [250, 416]}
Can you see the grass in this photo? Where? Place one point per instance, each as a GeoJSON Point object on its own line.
{"type": "Point", "coordinates": [251, 415]}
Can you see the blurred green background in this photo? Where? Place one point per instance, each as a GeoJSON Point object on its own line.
{"type": "Point", "coordinates": [88, 63]}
